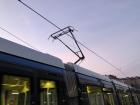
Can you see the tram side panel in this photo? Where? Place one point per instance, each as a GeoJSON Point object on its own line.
{"type": "Point", "coordinates": [91, 90]}
{"type": "Point", "coordinates": [26, 82]}
{"type": "Point", "coordinates": [135, 96]}
{"type": "Point", "coordinates": [94, 91]}
{"type": "Point", "coordinates": [17, 83]}
{"type": "Point", "coordinates": [71, 86]}
{"type": "Point", "coordinates": [124, 95]}
{"type": "Point", "coordinates": [83, 89]}
{"type": "Point", "coordinates": [109, 93]}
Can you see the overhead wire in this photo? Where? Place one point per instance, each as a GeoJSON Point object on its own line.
{"type": "Point", "coordinates": [106, 61]}
{"type": "Point", "coordinates": [15, 36]}
{"type": "Point", "coordinates": [39, 14]}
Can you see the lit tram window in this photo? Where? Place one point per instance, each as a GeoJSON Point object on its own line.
{"type": "Point", "coordinates": [136, 98]}
{"type": "Point", "coordinates": [127, 99]}
{"type": "Point", "coordinates": [124, 97]}
{"type": "Point", "coordinates": [15, 90]}
{"type": "Point", "coordinates": [95, 95]}
{"type": "Point", "coordinates": [48, 94]}
{"type": "Point", "coordinates": [108, 96]}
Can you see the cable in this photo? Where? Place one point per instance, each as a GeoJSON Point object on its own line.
{"type": "Point", "coordinates": [70, 36]}
{"type": "Point", "coordinates": [101, 58]}
{"type": "Point", "coordinates": [39, 14]}
{"type": "Point", "coordinates": [18, 38]}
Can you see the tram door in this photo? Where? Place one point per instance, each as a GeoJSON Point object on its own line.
{"type": "Point", "coordinates": [124, 98]}
{"type": "Point", "coordinates": [15, 90]}
{"type": "Point", "coordinates": [95, 95]}
{"type": "Point", "coordinates": [48, 93]}
{"type": "Point", "coordinates": [108, 96]}
{"type": "Point", "coordinates": [135, 98]}
{"type": "Point", "coordinates": [138, 96]}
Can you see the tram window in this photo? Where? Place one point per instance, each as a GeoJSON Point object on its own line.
{"type": "Point", "coordinates": [138, 96]}
{"type": "Point", "coordinates": [95, 95]}
{"type": "Point", "coordinates": [130, 101]}
{"type": "Point", "coordinates": [127, 99]}
{"type": "Point", "coordinates": [15, 90]}
{"type": "Point", "coordinates": [108, 96]}
{"type": "Point", "coordinates": [84, 100]}
{"type": "Point", "coordinates": [124, 97]}
{"type": "Point", "coordinates": [135, 98]}
{"type": "Point", "coordinates": [48, 94]}
{"type": "Point", "coordinates": [121, 97]}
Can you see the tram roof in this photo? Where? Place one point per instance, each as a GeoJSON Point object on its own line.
{"type": "Point", "coordinates": [89, 72]}
{"type": "Point", "coordinates": [12, 48]}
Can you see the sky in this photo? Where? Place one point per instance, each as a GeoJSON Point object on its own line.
{"type": "Point", "coordinates": [108, 27]}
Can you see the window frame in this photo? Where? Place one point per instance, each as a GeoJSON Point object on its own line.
{"type": "Point", "coordinates": [23, 76]}
{"type": "Point", "coordinates": [60, 85]}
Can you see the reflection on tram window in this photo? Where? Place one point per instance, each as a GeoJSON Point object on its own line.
{"type": "Point", "coordinates": [48, 94]}
{"type": "Point", "coordinates": [135, 98]}
{"type": "Point", "coordinates": [124, 97]}
{"type": "Point", "coordinates": [15, 90]}
{"type": "Point", "coordinates": [108, 96]}
{"type": "Point", "coordinates": [129, 98]}
{"type": "Point", "coordinates": [126, 100]}
{"type": "Point", "coordinates": [95, 95]}
{"type": "Point", "coordinates": [138, 97]}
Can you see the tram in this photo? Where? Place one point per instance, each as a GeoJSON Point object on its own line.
{"type": "Point", "coordinates": [29, 77]}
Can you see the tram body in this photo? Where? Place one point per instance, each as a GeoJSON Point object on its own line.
{"type": "Point", "coordinates": [29, 77]}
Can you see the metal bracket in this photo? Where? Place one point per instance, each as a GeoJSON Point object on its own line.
{"type": "Point", "coordinates": [69, 31]}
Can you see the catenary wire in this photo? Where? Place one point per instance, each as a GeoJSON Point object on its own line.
{"type": "Point", "coordinates": [5, 30]}
{"type": "Point", "coordinates": [70, 36]}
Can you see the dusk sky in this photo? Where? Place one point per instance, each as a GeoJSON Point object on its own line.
{"type": "Point", "coordinates": [111, 28]}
